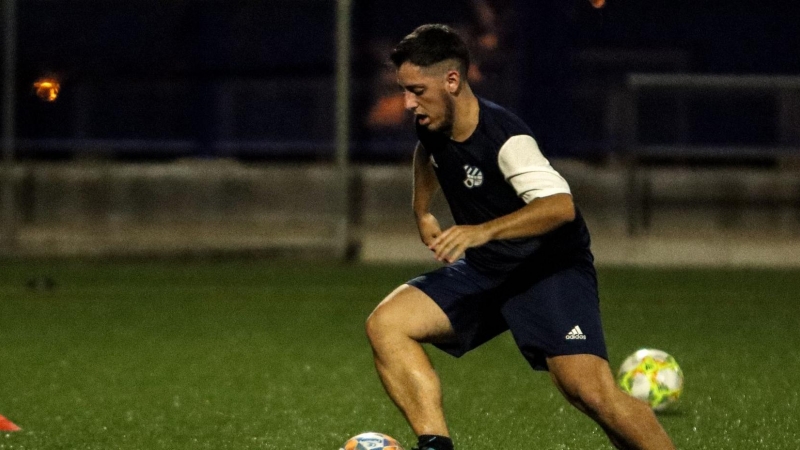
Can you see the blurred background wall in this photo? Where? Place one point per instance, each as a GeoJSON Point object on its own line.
{"type": "Point", "coordinates": [202, 126]}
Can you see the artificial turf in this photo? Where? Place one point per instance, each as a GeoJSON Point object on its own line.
{"type": "Point", "coordinates": [272, 355]}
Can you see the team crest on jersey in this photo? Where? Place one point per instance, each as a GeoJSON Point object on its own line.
{"type": "Point", "coordinates": [474, 177]}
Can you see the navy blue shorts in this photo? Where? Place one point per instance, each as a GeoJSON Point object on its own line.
{"type": "Point", "coordinates": [551, 309]}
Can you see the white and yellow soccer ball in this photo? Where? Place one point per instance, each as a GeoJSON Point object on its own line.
{"type": "Point", "coordinates": [371, 441]}
{"type": "Point", "coordinates": [652, 376]}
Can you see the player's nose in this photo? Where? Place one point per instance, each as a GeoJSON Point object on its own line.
{"type": "Point", "coordinates": [410, 101]}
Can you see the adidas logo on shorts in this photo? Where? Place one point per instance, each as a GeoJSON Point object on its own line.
{"type": "Point", "coordinates": [576, 333]}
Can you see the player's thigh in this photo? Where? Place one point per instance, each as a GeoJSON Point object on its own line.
{"type": "Point", "coordinates": [411, 312]}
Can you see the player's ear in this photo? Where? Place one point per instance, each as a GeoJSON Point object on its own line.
{"type": "Point", "coordinates": [453, 81]}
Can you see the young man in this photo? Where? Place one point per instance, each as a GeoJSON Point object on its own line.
{"type": "Point", "coordinates": [527, 266]}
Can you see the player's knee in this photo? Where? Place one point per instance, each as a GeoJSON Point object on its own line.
{"type": "Point", "coordinates": [407, 315]}
{"type": "Point", "coordinates": [591, 398]}
{"type": "Point", "coordinates": [373, 327]}
{"type": "Point", "coordinates": [379, 325]}
{"type": "Point", "coordinates": [593, 401]}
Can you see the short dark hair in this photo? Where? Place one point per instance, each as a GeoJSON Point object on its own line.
{"type": "Point", "coordinates": [431, 44]}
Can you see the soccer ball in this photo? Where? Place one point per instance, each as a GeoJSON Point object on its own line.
{"type": "Point", "coordinates": [371, 441]}
{"type": "Point", "coordinates": [653, 376]}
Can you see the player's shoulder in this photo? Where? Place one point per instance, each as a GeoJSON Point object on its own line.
{"type": "Point", "coordinates": [501, 123]}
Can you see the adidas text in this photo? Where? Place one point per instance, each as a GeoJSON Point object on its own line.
{"type": "Point", "coordinates": [575, 333]}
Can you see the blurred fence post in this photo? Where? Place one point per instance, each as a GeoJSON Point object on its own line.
{"type": "Point", "coordinates": [347, 247]}
{"type": "Point", "coordinates": [7, 188]}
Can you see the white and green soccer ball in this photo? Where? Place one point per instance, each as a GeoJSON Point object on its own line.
{"type": "Point", "coordinates": [652, 376]}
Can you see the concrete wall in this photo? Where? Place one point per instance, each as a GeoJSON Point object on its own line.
{"type": "Point", "coordinates": [186, 207]}
{"type": "Point", "coordinates": [696, 217]}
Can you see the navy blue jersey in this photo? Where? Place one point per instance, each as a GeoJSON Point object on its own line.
{"type": "Point", "coordinates": [495, 172]}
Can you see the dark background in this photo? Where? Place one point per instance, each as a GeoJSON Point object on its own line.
{"type": "Point", "coordinates": [165, 72]}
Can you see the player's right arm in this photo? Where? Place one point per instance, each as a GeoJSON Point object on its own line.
{"type": "Point", "coordinates": [425, 186]}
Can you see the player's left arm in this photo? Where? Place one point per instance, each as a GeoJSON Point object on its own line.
{"type": "Point", "coordinates": [538, 217]}
{"type": "Point", "coordinates": [547, 194]}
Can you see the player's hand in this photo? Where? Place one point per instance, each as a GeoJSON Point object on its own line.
{"type": "Point", "coordinates": [429, 228]}
{"type": "Point", "coordinates": [454, 241]}
{"type": "Point", "coordinates": [598, 3]}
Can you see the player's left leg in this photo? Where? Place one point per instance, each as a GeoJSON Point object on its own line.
{"type": "Point", "coordinates": [396, 329]}
{"type": "Point", "coordinates": [587, 383]}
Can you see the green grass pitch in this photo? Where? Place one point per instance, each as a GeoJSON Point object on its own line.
{"type": "Point", "coordinates": [272, 355]}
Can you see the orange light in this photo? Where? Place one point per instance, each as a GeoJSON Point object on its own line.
{"type": "Point", "coordinates": [47, 88]}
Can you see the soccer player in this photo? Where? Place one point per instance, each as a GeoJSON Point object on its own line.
{"type": "Point", "coordinates": [526, 262]}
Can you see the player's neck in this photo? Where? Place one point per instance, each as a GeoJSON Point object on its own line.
{"type": "Point", "coordinates": [466, 117]}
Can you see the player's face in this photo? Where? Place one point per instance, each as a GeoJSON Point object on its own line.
{"type": "Point", "coordinates": [427, 95]}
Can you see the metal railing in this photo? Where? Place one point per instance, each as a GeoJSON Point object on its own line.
{"type": "Point", "coordinates": [784, 89]}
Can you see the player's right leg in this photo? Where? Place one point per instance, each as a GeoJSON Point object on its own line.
{"type": "Point", "coordinates": [397, 327]}
{"type": "Point", "coordinates": [587, 382]}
